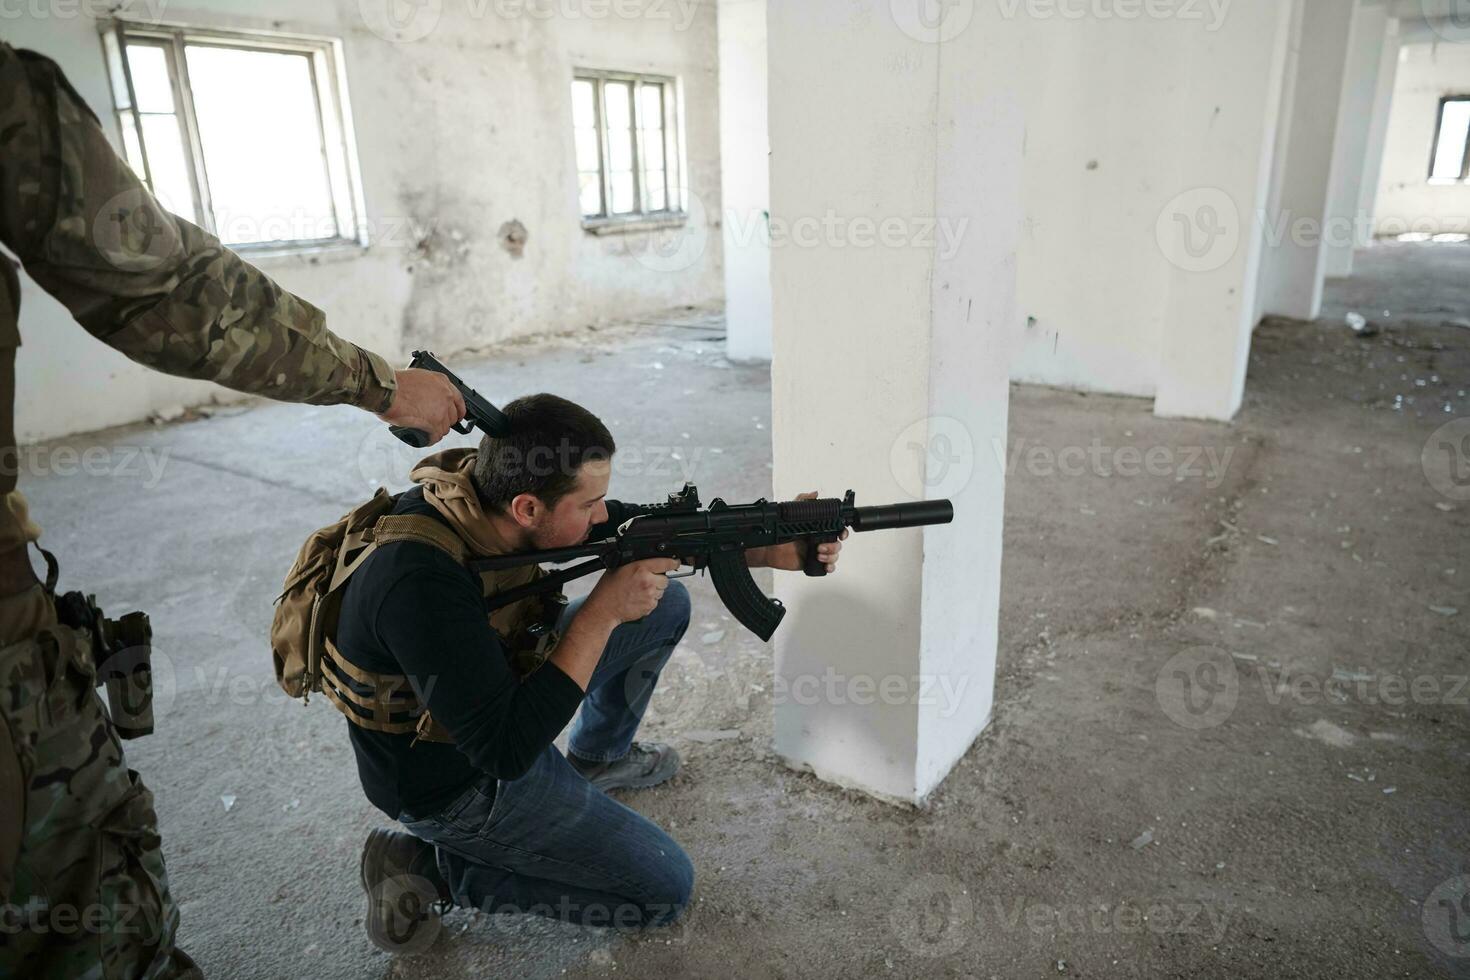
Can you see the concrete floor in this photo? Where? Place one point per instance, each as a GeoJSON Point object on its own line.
{"type": "Point", "coordinates": [1099, 828]}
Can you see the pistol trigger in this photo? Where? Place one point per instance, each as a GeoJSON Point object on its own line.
{"type": "Point", "coordinates": [463, 427]}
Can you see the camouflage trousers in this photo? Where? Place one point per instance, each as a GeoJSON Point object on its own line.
{"type": "Point", "coordinates": [83, 891]}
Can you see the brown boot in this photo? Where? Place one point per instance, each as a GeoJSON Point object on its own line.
{"type": "Point", "coordinates": [405, 892]}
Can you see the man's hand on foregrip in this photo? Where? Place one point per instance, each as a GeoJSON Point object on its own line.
{"type": "Point", "coordinates": [427, 401]}
{"type": "Point", "coordinates": [794, 556]}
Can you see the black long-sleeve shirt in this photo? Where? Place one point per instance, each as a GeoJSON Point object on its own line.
{"type": "Point", "coordinates": [411, 609]}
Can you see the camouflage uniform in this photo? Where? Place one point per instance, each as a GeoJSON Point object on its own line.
{"type": "Point", "coordinates": [83, 892]}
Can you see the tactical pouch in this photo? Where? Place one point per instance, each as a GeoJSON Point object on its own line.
{"type": "Point", "coordinates": [122, 652]}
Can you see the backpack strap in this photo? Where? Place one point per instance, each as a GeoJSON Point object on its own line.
{"type": "Point", "coordinates": [424, 530]}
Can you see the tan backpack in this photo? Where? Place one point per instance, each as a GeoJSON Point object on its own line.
{"type": "Point", "coordinates": [307, 609]}
{"type": "Point", "coordinates": [305, 625]}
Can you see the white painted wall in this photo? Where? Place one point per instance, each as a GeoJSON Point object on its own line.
{"type": "Point", "coordinates": [1388, 71]}
{"type": "Point", "coordinates": [745, 178]}
{"type": "Point", "coordinates": [1354, 131]}
{"type": "Point", "coordinates": [457, 132]}
{"type": "Point", "coordinates": [1407, 201]}
{"type": "Point", "coordinates": [1234, 82]}
{"type": "Point", "coordinates": [870, 122]}
{"type": "Point", "coordinates": [1112, 130]}
{"type": "Point", "coordinates": [1293, 268]}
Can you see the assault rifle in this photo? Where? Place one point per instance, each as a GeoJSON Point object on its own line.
{"type": "Point", "coordinates": [478, 410]}
{"type": "Point", "coordinates": [715, 539]}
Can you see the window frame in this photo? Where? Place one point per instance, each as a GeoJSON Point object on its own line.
{"type": "Point", "coordinates": [324, 56]}
{"type": "Point", "coordinates": [1464, 177]}
{"type": "Point", "coordinates": [676, 210]}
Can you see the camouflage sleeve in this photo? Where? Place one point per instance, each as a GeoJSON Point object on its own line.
{"type": "Point", "coordinates": [155, 287]}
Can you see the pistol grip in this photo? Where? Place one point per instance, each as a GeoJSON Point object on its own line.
{"type": "Point", "coordinates": [813, 565]}
{"type": "Point", "coordinates": [417, 438]}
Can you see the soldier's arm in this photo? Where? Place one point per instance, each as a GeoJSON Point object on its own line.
{"type": "Point", "coordinates": [153, 286]}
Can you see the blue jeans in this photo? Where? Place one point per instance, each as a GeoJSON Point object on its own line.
{"type": "Point", "coordinates": [552, 844]}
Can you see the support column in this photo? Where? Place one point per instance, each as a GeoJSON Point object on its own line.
{"type": "Point", "coordinates": [1354, 124]}
{"type": "Point", "coordinates": [893, 279]}
{"type": "Point", "coordinates": [1295, 264]}
{"type": "Point", "coordinates": [1209, 229]}
{"type": "Point", "coordinates": [745, 179]}
{"type": "Point", "coordinates": [1388, 73]}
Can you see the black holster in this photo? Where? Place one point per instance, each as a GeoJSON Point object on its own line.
{"type": "Point", "coordinates": [121, 653]}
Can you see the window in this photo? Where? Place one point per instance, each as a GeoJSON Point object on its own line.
{"type": "Point", "coordinates": [1451, 160]}
{"type": "Point", "coordinates": [627, 148]}
{"type": "Point", "coordinates": [243, 135]}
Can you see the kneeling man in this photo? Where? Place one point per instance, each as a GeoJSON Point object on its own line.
{"type": "Point", "coordinates": [498, 818]}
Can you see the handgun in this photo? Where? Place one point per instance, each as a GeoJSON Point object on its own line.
{"type": "Point", "coordinates": [479, 412]}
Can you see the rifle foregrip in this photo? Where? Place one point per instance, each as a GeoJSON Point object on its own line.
{"type": "Point", "coordinates": [738, 591]}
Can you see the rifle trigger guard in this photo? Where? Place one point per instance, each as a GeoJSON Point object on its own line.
{"type": "Point", "coordinates": [673, 575]}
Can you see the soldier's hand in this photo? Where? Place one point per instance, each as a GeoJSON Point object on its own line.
{"type": "Point", "coordinates": [791, 556]}
{"type": "Point", "coordinates": [632, 591]}
{"type": "Point", "coordinates": [425, 400]}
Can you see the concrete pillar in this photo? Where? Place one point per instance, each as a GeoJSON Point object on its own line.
{"type": "Point", "coordinates": [1265, 282]}
{"type": "Point", "coordinates": [1388, 73]}
{"type": "Point", "coordinates": [745, 179]}
{"type": "Point", "coordinates": [1232, 83]}
{"type": "Point", "coordinates": [896, 201]}
{"type": "Point", "coordinates": [1354, 125]}
{"type": "Point", "coordinates": [1295, 264]}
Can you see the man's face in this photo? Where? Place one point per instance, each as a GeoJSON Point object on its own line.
{"type": "Point", "coordinates": [569, 522]}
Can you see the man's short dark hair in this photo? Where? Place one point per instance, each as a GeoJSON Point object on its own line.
{"type": "Point", "coordinates": [550, 438]}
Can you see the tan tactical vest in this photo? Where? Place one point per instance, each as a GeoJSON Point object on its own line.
{"type": "Point", "coordinates": [303, 633]}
